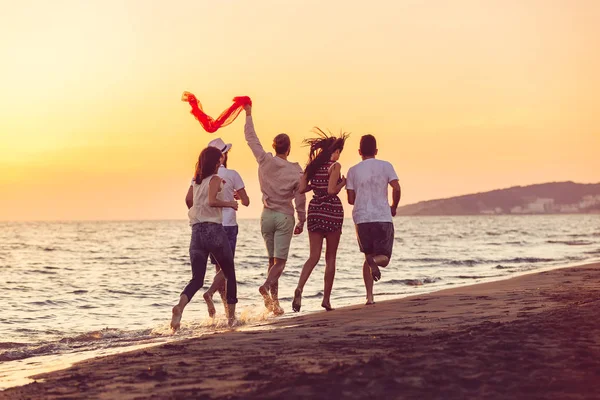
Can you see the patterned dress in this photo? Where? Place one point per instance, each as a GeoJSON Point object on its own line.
{"type": "Point", "coordinates": [325, 211]}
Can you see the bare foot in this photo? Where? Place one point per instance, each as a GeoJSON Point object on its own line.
{"type": "Point", "coordinates": [297, 303]}
{"type": "Point", "coordinates": [375, 273]}
{"type": "Point", "coordinates": [209, 303]}
{"type": "Point", "coordinates": [176, 318]}
{"type": "Point", "coordinates": [277, 310]}
{"type": "Point", "coordinates": [233, 323]}
{"type": "Point", "coordinates": [265, 294]}
{"type": "Point", "coordinates": [327, 306]}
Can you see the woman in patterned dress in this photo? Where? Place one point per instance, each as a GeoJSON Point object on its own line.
{"type": "Point", "coordinates": [325, 211]}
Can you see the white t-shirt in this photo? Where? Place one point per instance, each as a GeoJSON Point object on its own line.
{"type": "Point", "coordinates": [232, 181]}
{"type": "Point", "coordinates": [369, 179]}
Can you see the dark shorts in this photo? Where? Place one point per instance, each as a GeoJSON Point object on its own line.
{"type": "Point", "coordinates": [376, 238]}
{"type": "Point", "coordinates": [232, 234]}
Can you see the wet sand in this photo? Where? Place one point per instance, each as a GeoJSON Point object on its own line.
{"type": "Point", "coordinates": [534, 336]}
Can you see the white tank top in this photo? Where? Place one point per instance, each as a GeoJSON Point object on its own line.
{"type": "Point", "coordinates": [201, 211]}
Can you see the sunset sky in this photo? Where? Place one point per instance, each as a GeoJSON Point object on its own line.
{"type": "Point", "coordinates": [463, 96]}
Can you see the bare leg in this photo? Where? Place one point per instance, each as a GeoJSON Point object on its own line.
{"type": "Point", "coordinates": [178, 312]}
{"type": "Point", "coordinates": [218, 284]}
{"type": "Point", "coordinates": [316, 247]}
{"type": "Point", "coordinates": [272, 285]}
{"type": "Point", "coordinates": [368, 278]}
{"type": "Point", "coordinates": [333, 241]}
{"type": "Point", "coordinates": [382, 261]}
{"type": "Point", "coordinates": [264, 291]}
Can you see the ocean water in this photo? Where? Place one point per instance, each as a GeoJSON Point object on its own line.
{"type": "Point", "coordinates": [76, 289]}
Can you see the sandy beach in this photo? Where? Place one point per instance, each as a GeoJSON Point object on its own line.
{"type": "Point", "coordinates": [534, 336]}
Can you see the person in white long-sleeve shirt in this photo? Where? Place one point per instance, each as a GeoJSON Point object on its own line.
{"type": "Point", "coordinates": [279, 183]}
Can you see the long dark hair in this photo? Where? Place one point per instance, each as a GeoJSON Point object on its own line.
{"type": "Point", "coordinates": [208, 164]}
{"type": "Point", "coordinates": [321, 149]}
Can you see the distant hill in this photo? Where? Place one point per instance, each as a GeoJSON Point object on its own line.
{"type": "Point", "coordinates": [545, 198]}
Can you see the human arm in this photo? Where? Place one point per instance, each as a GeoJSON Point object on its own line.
{"type": "Point", "coordinates": [351, 196]}
{"type": "Point", "coordinates": [396, 195]}
{"type": "Point", "coordinates": [304, 186]}
{"type": "Point", "coordinates": [300, 201]}
{"type": "Point", "coordinates": [334, 176]}
{"type": "Point", "coordinates": [243, 196]}
{"type": "Point", "coordinates": [350, 188]}
{"type": "Point", "coordinates": [240, 189]}
{"type": "Point", "coordinates": [213, 189]}
{"type": "Point", "coordinates": [251, 137]}
{"type": "Point", "coordinates": [189, 197]}
{"type": "Point", "coordinates": [396, 191]}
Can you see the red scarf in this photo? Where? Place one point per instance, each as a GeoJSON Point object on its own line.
{"type": "Point", "coordinates": [209, 124]}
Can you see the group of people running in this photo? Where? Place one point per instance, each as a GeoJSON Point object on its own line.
{"type": "Point", "coordinates": [215, 190]}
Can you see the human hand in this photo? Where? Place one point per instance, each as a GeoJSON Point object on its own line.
{"type": "Point", "coordinates": [236, 195]}
{"type": "Point", "coordinates": [248, 109]}
{"type": "Point", "coordinates": [299, 228]}
{"type": "Point", "coordinates": [234, 205]}
{"type": "Point", "coordinates": [394, 210]}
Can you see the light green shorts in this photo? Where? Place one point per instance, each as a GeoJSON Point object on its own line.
{"type": "Point", "coordinates": [277, 230]}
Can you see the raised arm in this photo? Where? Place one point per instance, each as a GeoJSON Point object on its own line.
{"type": "Point", "coordinates": [396, 195]}
{"type": "Point", "coordinates": [251, 138]}
{"type": "Point", "coordinates": [213, 189]}
{"type": "Point", "coordinates": [334, 176]}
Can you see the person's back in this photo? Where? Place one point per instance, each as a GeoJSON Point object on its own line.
{"type": "Point", "coordinates": [279, 178]}
{"type": "Point", "coordinates": [370, 180]}
{"type": "Point", "coordinates": [279, 183]}
{"type": "Point", "coordinates": [367, 187]}
{"type": "Point", "coordinates": [201, 210]}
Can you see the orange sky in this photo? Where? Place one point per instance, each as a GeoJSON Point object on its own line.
{"type": "Point", "coordinates": [462, 95]}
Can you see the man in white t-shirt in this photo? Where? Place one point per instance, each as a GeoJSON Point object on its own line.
{"type": "Point", "coordinates": [367, 186]}
{"type": "Point", "coordinates": [233, 189]}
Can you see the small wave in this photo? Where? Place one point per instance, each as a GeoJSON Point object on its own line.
{"type": "Point", "coordinates": [425, 260]}
{"type": "Point", "coordinates": [119, 292]}
{"type": "Point", "coordinates": [513, 243]}
{"type": "Point", "coordinates": [413, 282]}
{"type": "Point", "coordinates": [43, 303]}
{"type": "Point", "coordinates": [79, 292]}
{"type": "Point", "coordinates": [571, 242]}
{"type": "Point", "coordinates": [39, 271]}
{"type": "Point", "coordinates": [593, 252]}
{"type": "Point", "coordinates": [531, 260]}
{"type": "Point", "coordinates": [474, 276]}
{"type": "Point", "coordinates": [11, 345]}
{"type": "Point", "coordinates": [465, 262]}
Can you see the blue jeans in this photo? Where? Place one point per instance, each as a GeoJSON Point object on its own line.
{"type": "Point", "coordinates": [232, 234]}
{"type": "Point", "coordinates": [210, 239]}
